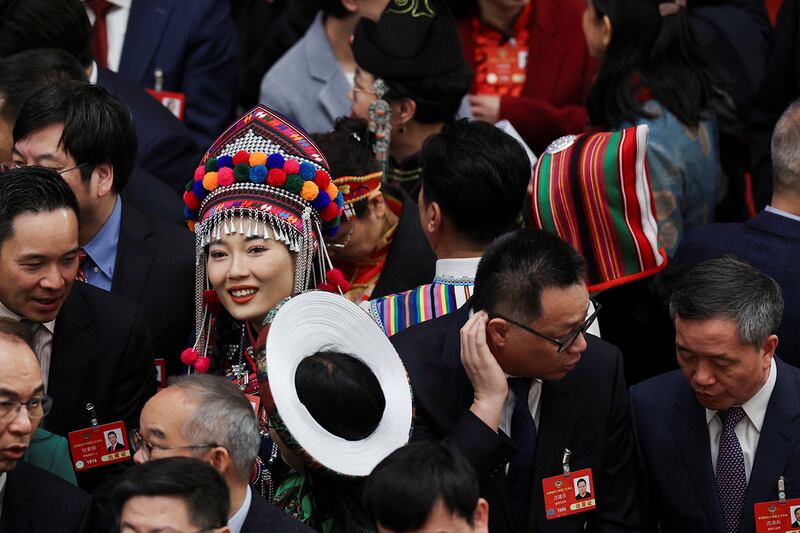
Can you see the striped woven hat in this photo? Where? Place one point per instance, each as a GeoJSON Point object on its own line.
{"type": "Point", "coordinates": [594, 192]}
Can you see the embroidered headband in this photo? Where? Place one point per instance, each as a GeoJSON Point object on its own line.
{"type": "Point", "coordinates": [357, 188]}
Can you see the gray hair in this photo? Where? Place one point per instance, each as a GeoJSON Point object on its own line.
{"type": "Point", "coordinates": [786, 149]}
{"type": "Point", "coordinates": [223, 417]}
{"type": "Point", "coordinates": [729, 288]}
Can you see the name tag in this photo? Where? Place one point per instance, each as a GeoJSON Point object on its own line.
{"type": "Point", "coordinates": [568, 494]}
{"type": "Point", "coordinates": [778, 517]}
{"type": "Point", "coordinates": [175, 102]}
{"type": "Point", "coordinates": [99, 446]}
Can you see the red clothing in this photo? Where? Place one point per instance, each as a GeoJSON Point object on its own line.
{"type": "Point", "coordinates": [559, 72]}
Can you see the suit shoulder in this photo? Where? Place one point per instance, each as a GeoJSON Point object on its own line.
{"type": "Point", "coordinates": [658, 390]}
{"type": "Point", "coordinates": [43, 482]}
{"type": "Point", "coordinates": [263, 516]}
{"type": "Point", "coordinates": [105, 305]}
{"type": "Point", "coordinates": [423, 336]}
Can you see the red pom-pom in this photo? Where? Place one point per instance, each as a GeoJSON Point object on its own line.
{"type": "Point", "coordinates": [191, 200]}
{"type": "Point", "coordinates": [334, 282]}
{"type": "Point", "coordinates": [291, 166]}
{"type": "Point", "coordinates": [241, 157]}
{"type": "Point", "coordinates": [212, 301]}
{"type": "Point", "coordinates": [322, 179]}
{"type": "Point", "coordinates": [189, 356]}
{"type": "Point", "coordinates": [330, 212]}
{"type": "Point", "coordinates": [199, 173]}
{"type": "Point", "coordinates": [225, 177]}
{"type": "Point", "coordinates": [276, 177]}
{"type": "Point", "coordinates": [202, 364]}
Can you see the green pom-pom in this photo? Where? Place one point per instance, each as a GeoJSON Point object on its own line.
{"type": "Point", "coordinates": [189, 186]}
{"type": "Point", "coordinates": [211, 165]}
{"type": "Point", "coordinates": [242, 172]}
{"type": "Point", "coordinates": [294, 183]}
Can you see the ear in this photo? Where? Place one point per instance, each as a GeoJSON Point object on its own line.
{"type": "Point", "coordinates": [350, 5]}
{"type": "Point", "coordinates": [768, 350]}
{"type": "Point", "coordinates": [608, 31]}
{"type": "Point", "coordinates": [105, 179]}
{"type": "Point", "coordinates": [377, 205]}
{"type": "Point", "coordinates": [220, 459]}
{"type": "Point", "coordinates": [480, 518]}
{"type": "Point", "coordinates": [405, 111]}
{"type": "Point", "coordinates": [433, 214]}
{"type": "Point", "coordinates": [497, 332]}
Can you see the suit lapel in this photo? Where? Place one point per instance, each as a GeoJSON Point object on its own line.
{"type": "Point", "coordinates": [134, 256]}
{"type": "Point", "coordinates": [146, 24]}
{"type": "Point", "coordinates": [16, 514]}
{"type": "Point", "coordinates": [689, 428]}
{"type": "Point", "coordinates": [323, 66]}
{"type": "Point", "coordinates": [779, 437]}
{"type": "Point", "coordinates": [776, 224]}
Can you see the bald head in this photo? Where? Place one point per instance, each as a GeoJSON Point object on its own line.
{"type": "Point", "coordinates": [786, 151]}
{"type": "Point", "coordinates": [20, 381]}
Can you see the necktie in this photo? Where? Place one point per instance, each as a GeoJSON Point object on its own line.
{"type": "Point", "coordinates": [731, 477]}
{"type": "Point", "coordinates": [523, 433]}
{"type": "Point", "coordinates": [80, 275]}
{"type": "Point", "coordinates": [100, 30]}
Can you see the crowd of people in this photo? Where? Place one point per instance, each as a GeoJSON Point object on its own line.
{"type": "Point", "coordinates": [395, 266]}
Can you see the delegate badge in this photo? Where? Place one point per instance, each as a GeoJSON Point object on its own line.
{"type": "Point", "coordinates": [161, 373]}
{"type": "Point", "coordinates": [174, 102]}
{"type": "Point", "coordinates": [99, 446]}
{"type": "Point", "coordinates": [569, 493]}
{"type": "Point", "coordinates": [778, 517]}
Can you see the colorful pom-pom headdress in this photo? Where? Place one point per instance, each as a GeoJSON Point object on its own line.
{"type": "Point", "coordinates": [263, 176]}
{"type": "Point", "coordinates": [355, 189]}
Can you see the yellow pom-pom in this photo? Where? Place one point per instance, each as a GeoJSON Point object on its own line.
{"type": "Point", "coordinates": [309, 191]}
{"type": "Point", "coordinates": [332, 190]}
{"type": "Point", "coordinates": [191, 224]}
{"type": "Point", "coordinates": [258, 158]}
{"type": "Point", "coordinates": [211, 181]}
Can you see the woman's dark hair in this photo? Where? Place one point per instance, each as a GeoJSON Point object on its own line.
{"type": "Point", "coordinates": [652, 53]}
{"type": "Point", "coordinates": [438, 99]}
{"type": "Point", "coordinates": [348, 149]}
{"type": "Point", "coordinates": [345, 398]}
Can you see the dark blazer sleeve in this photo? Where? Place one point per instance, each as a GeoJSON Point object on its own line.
{"type": "Point", "coordinates": [135, 377]}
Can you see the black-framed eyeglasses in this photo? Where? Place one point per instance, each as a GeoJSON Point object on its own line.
{"type": "Point", "coordinates": [36, 407]}
{"type": "Point", "coordinates": [564, 342]}
{"type": "Point", "coordinates": [138, 442]}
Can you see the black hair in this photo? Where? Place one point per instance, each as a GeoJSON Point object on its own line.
{"type": "Point", "coordinates": [438, 98]}
{"type": "Point", "coordinates": [518, 266]}
{"type": "Point", "coordinates": [25, 73]}
{"type": "Point", "coordinates": [348, 149]}
{"type": "Point", "coordinates": [98, 127]}
{"type": "Point", "coordinates": [585, 481]}
{"type": "Point", "coordinates": [201, 488]}
{"type": "Point", "coordinates": [478, 175]}
{"type": "Point", "coordinates": [402, 490]}
{"type": "Point", "coordinates": [648, 51]}
{"type": "Point", "coordinates": [63, 24]}
{"type": "Point", "coordinates": [333, 8]}
{"type": "Point", "coordinates": [343, 395]}
{"type": "Point", "coordinates": [730, 289]}
{"type": "Point", "coordinates": [32, 190]}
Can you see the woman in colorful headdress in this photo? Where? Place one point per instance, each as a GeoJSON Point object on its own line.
{"type": "Point", "coordinates": [260, 203]}
{"type": "Point", "coordinates": [339, 402]}
{"type": "Point", "coordinates": [380, 247]}
{"type": "Point", "coordinates": [411, 80]}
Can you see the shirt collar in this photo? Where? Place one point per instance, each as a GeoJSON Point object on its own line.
{"type": "Point", "coordinates": [103, 247]}
{"type": "Point", "coordinates": [237, 520]}
{"type": "Point", "coordinates": [465, 267]}
{"type": "Point", "coordinates": [8, 313]}
{"type": "Point", "coordinates": [776, 211]}
{"type": "Point", "coordinates": [93, 75]}
{"type": "Point", "coordinates": [756, 407]}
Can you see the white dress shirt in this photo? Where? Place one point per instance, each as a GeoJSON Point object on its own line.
{"type": "Point", "coordinates": [236, 523]}
{"type": "Point", "coordinates": [42, 341]}
{"type": "Point", "coordinates": [2, 491]}
{"type": "Point", "coordinates": [748, 430]}
{"type": "Point", "coordinates": [116, 27]}
{"type": "Point", "coordinates": [776, 211]}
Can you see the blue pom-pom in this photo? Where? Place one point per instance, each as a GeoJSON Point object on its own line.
{"type": "Point", "coordinates": [189, 214]}
{"type": "Point", "coordinates": [275, 161]}
{"type": "Point", "coordinates": [224, 161]}
{"type": "Point", "coordinates": [340, 200]}
{"type": "Point", "coordinates": [330, 232]}
{"type": "Point", "coordinates": [307, 171]}
{"type": "Point", "coordinates": [321, 201]}
{"type": "Point", "coordinates": [199, 190]}
{"type": "Point", "coordinates": [258, 174]}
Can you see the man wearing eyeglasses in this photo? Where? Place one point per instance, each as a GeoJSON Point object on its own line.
{"type": "Point", "coordinates": [513, 380]}
{"type": "Point", "coordinates": [23, 404]}
{"type": "Point", "coordinates": [209, 418]}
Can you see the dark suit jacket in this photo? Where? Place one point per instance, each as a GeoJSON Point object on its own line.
{"type": "Point", "coordinates": [166, 148]}
{"type": "Point", "coordinates": [769, 242]}
{"type": "Point", "coordinates": [675, 456]}
{"type": "Point", "coordinates": [411, 261]}
{"type": "Point", "coordinates": [155, 268]}
{"type": "Point", "coordinates": [115, 447]}
{"type": "Point", "coordinates": [263, 516]}
{"type": "Point", "coordinates": [153, 196]}
{"type": "Point", "coordinates": [558, 74]}
{"type": "Point", "coordinates": [586, 412]}
{"type": "Point", "coordinates": [30, 491]}
{"type": "Point", "coordinates": [194, 43]}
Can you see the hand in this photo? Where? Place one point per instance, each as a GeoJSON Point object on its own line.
{"type": "Point", "coordinates": [489, 384]}
{"type": "Point", "coordinates": [485, 107]}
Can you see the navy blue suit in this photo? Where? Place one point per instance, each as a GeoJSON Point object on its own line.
{"type": "Point", "coordinates": [769, 242]}
{"type": "Point", "coordinates": [263, 516]}
{"type": "Point", "coordinates": [194, 43]}
{"type": "Point", "coordinates": [166, 148]}
{"type": "Point", "coordinates": [587, 412]}
{"type": "Point", "coordinates": [675, 455]}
